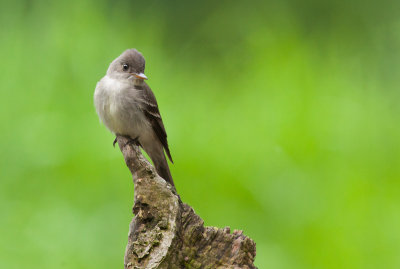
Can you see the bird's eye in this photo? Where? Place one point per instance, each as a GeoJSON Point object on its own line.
{"type": "Point", "coordinates": [125, 67]}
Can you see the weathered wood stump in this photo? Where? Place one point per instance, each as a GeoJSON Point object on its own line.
{"type": "Point", "coordinates": [166, 233]}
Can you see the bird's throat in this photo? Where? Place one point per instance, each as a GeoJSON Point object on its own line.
{"type": "Point", "coordinates": [138, 82]}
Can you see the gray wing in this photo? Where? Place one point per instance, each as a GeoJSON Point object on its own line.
{"type": "Point", "coordinates": [152, 113]}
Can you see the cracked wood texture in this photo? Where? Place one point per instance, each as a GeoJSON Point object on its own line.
{"type": "Point", "coordinates": [166, 233]}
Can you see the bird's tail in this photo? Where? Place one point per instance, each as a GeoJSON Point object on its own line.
{"type": "Point", "coordinates": [162, 169]}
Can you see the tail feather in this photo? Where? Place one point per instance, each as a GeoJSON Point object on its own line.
{"type": "Point", "coordinates": [155, 150]}
{"type": "Point", "coordinates": [162, 169]}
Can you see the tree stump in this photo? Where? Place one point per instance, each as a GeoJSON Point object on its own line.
{"type": "Point", "coordinates": [166, 233]}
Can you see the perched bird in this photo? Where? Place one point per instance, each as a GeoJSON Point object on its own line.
{"type": "Point", "coordinates": [127, 106]}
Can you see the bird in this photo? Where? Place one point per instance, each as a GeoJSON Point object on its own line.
{"type": "Point", "coordinates": [127, 106]}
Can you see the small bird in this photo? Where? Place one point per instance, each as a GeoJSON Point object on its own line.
{"type": "Point", "coordinates": [127, 106]}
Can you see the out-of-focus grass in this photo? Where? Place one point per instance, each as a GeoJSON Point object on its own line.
{"type": "Point", "coordinates": [282, 121]}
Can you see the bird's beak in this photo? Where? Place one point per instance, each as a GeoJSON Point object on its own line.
{"type": "Point", "coordinates": [140, 75]}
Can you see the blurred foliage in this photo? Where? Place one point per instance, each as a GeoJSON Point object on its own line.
{"type": "Point", "coordinates": [282, 116]}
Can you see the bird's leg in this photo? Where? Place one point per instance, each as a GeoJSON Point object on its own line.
{"type": "Point", "coordinates": [116, 140]}
{"type": "Point", "coordinates": [131, 141]}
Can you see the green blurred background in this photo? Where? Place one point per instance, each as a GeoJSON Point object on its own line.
{"type": "Point", "coordinates": [282, 117]}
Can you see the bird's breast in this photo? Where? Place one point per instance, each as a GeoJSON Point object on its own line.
{"type": "Point", "coordinates": [118, 107]}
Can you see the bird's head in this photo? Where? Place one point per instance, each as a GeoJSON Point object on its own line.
{"type": "Point", "coordinates": [129, 65]}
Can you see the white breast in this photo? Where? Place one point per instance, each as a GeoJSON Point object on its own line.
{"type": "Point", "coordinates": [117, 107]}
{"type": "Point", "coordinates": [113, 89]}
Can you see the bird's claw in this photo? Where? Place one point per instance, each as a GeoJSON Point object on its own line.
{"type": "Point", "coordinates": [131, 141]}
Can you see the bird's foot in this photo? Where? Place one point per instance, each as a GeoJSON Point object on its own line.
{"type": "Point", "coordinates": [131, 141]}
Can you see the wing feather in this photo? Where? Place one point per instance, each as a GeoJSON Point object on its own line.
{"type": "Point", "coordinates": [152, 113]}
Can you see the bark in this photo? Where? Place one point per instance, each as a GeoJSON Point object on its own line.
{"type": "Point", "coordinates": [166, 233]}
